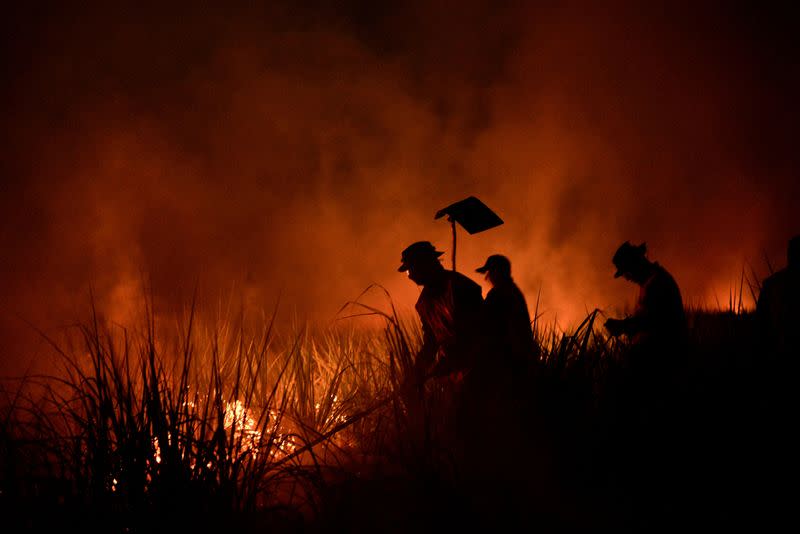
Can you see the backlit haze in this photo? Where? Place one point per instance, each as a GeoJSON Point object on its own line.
{"type": "Point", "coordinates": [297, 150]}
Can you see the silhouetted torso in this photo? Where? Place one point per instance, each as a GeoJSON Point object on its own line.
{"type": "Point", "coordinates": [449, 309]}
{"type": "Point", "coordinates": [778, 309]}
{"type": "Point", "coordinates": [507, 326]}
{"type": "Point", "coordinates": [659, 319]}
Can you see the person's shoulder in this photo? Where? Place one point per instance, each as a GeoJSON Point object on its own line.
{"type": "Point", "coordinates": [660, 270]}
{"type": "Point", "coordinates": [462, 280]}
{"type": "Point", "coordinates": [515, 288]}
{"type": "Point", "coordinates": [506, 293]}
{"type": "Point", "coordinates": [663, 276]}
{"type": "Point", "coordinates": [777, 278]}
{"type": "Point", "coordinates": [507, 289]}
{"type": "Point", "coordinates": [519, 295]}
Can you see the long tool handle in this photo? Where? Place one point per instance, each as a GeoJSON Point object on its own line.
{"type": "Point", "coordinates": [453, 226]}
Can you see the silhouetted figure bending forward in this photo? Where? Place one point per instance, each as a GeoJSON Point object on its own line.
{"type": "Point", "coordinates": [448, 307]}
{"type": "Point", "coordinates": [649, 397]}
{"type": "Point", "coordinates": [659, 321]}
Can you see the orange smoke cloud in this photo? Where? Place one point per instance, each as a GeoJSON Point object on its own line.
{"type": "Point", "coordinates": [297, 151]}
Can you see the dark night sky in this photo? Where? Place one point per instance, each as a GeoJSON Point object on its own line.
{"type": "Point", "coordinates": [299, 148]}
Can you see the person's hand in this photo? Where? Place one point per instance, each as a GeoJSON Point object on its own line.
{"type": "Point", "coordinates": [614, 327]}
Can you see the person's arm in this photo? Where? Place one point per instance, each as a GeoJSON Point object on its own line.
{"type": "Point", "coordinates": [657, 309]}
{"type": "Point", "coordinates": [615, 327]}
{"type": "Point", "coordinates": [638, 322]}
{"type": "Point", "coordinates": [427, 353]}
{"type": "Point", "coordinates": [630, 325]}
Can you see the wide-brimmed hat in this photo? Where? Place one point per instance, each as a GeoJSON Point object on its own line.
{"type": "Point", "coordinates": [496, 263]}
{"type": "Point", "coordinates": [417, 251]}
{"type": "Point", "coordinates": [626, 255]}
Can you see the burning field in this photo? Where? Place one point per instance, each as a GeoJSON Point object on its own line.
{"type": "Point", "coordinates": [191, 194]}
{"type": "Point", "coordinates": [224, 421]}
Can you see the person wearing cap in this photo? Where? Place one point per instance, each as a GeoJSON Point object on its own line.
{"type": "Point", "coordinates": [506, 321]}
{"type": "Point", "coordinates": [659, 320]}
{"type": "Point", "coordinates": [449, 308]}
{"type": "Point", "coordinates": [778, 306]}
{"type": "Point", "coordinates": [496, 391]}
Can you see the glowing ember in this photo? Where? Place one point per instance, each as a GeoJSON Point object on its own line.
{"type": "Point", "coordinates": [157, 449]}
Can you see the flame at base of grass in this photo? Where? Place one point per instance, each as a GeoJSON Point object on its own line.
{"type": "Point", "coordinates": [240, 421]}
{"type": "Point", "coordinates": [249, 437]}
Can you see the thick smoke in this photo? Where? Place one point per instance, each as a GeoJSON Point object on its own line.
{"type": "Point", "coordinates": [295, 151]}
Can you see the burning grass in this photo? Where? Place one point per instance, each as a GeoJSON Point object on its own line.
{"type": "Point", "coordinates": [213, 421]}
{"type": "Point", "coordinates": [209, 420]}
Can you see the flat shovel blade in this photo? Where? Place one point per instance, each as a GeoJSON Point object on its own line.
{"type": "Point", "coordinates": [472, 214]}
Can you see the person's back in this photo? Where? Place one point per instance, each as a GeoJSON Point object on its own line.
{"type": "Point", "coordinates": [659, 313]}
{"type": "Point", "coordinates": [507, 348]}
{"type": "Point", "coordinates": [497, 388]}
{"type": "Point", "coordinates": [778, 306]}
{"type": "Point", "coordinates": [507, 325]}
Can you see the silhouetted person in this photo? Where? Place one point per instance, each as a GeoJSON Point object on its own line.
{"type": "Point", "coordinates": [508, 340]}
{"type": "Point", "coordinates": [650, 391]}
{"type": "Point", "coordinates": [448, 307]}
{"type": "Point", "coordinates": [778, 306]}
{"type": "Point", "coordinates": [659, 321]}
{"type": "Point", "coordinates": [778, 353]}
{"type": "Point", "coordinates": [496, 390]}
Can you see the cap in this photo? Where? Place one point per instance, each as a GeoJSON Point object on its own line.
{"type": "Point", "coordinates": [417, 251]}
{"type": "Point", "coordinates": [496, 263]}
{"type": "Point", "coordinates": [626, 254]}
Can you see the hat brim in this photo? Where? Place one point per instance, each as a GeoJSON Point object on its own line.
{"type": "Point", "coordinates": [482, 270]}
{"type": "Point", "coordinates": [618, 273]}
{"type": "Point", "coordinates": [406, 265]}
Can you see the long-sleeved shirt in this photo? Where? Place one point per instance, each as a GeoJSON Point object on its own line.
{"type": "Point", "coordinates": [449, 310]}
{"type": "Point", "coordinates": [659, 317]}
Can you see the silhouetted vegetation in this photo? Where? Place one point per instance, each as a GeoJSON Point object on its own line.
{"type": "Point", "coordinates": [223, 424]}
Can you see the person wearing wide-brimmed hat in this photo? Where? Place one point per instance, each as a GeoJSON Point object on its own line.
{"type": "Point", "coordinates": [649, 393]}
{"type": "Point", "coordinates": [659, 319]}
{"type": "Point", "coordinates": [657, 329]}
{"type": "Point", "coordinates": [448, 307]}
